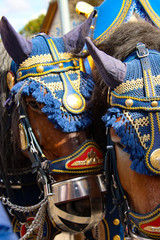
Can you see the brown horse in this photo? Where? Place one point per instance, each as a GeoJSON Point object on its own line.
{"type": "Point", "coordinates": [134, 130]}
{"type": "Point", "coordinates": [47, 153]}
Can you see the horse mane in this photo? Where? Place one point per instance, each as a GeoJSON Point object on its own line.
{"type": "Point", "coordinates": [119, 44]}
{"type": "Point", "coordinates": [10, 153]}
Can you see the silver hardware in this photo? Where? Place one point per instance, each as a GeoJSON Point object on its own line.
{"type": "Point", "coordinates": [144, 54]}
{"type": "Point", "coordinates": [70, 191]}
{"type": "Point", "coordinates": [109, 147]}
{"type": "Point", "coordinates": [106, 130]}
{"type": "Point", "coordinates": [114, 182]}
{"type": "Point", "coordinates": [32, 147]}
{"type": "Point", "coordinates": [135, 237]}
{"type": "Point", "coordinates": [22, 116]}
{"type": "Point", "coordinates": [39, 219]}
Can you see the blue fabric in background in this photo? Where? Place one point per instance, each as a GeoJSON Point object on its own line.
{"type": "Point", "coordinates": [6, 231]}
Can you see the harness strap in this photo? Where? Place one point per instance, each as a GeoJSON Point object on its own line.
{"type": "Point", "coordinates": [70, 93]}
{"type": "Point", "coordinates": [151, 159]}
{"type": "Point", "coordinates": [119, 198]}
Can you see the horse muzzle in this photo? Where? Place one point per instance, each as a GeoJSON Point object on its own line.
{"type": "Point", "coordinates": [78, 204]}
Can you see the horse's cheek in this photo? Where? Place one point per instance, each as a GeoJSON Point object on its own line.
{"type": "Point", "coordinates": [123, 166]}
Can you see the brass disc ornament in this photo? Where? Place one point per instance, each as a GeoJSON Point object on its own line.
{"type": "Point", "coordinates": [155, 159]}
{"type": "Point", "coordinates": [74, 101]}
{"type": "Point", "coordinates": [10, 80]}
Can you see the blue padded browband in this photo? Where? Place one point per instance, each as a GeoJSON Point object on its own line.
{"type": "Point", "coordinates": [53, 67]}
{"type": "Point", "coordinates": [137, 103]}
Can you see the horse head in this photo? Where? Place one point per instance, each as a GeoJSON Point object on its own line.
{"type": "Point", "coordinates": [50, 94]}
{"type": "Point", "coordinates": [133, 122]}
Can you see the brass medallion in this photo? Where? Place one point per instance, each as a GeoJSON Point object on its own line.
{"type": "Point", "coordinates": [74, 101]}
{"type": "Point", "coordinates": [23, 137]}
{"type": "Point", "coordinates": [155, 159]}
{"type": "Point", "coordinates": [129, 102]}
{"type": "Point", "coordinates": [10, 80]}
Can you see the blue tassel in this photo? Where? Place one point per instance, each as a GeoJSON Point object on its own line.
{"type": "Point", "coordinates": [52, 106]}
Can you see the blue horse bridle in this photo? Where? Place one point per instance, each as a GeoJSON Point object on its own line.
{"type": "Point", "coordinates": [137, 226]}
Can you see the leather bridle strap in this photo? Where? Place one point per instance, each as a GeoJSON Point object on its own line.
{"type": "Point", "coordinates": [119, 198]}
{"type": "Point", "coordinates": [38, 159]}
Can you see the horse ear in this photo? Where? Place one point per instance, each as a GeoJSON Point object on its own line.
{"type": "Point", "coordinates": [75, 39]}
{"type": "Point", "coordinates": [16, 45]}
{"type": "Point", "coordinates": [112, 70]}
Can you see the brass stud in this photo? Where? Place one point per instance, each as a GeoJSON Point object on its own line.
{"type": "Point", "coordinates": [75, 63]}
{"type": "Point", "coordinates": [91, 27]}
{"type": "Point", "coordinates": [60, 65]}
{"type": "Point", "coordinates": [116, 237]}
{"type": "Point", "coordinates": [40, 69]}
{"type": "Point", "coordinates": [10, 80]}
{"type": "Point", "coordinates": [154, 104]}
{"type": "Point", "coordinates": [129, 102]}
{"type": "Point", "coordinates": [74, 101]}
{"type": "Point", "coordinates": [155, 159]}
{"type": "Point", "coordinates": [116, 222]}
{"type": "Point", "coordinates": [20, 74]}
{"type": "Point", "coordinates": [84, 51]}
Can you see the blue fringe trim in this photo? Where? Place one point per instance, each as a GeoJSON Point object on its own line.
{"type": "Point", "coordinates": [129, 139]}
{"type": "Point", "coordinates": [87, 85]}
{"type": "Point", "coordinates": [65, 121]}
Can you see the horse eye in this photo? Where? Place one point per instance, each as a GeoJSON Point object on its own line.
{"type": "Point", "coordinates": [33, 104]}
{"type": "Point", "coordinates": [120, 145]}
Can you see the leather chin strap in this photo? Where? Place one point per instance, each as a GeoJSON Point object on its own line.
{"type": "Point", "coordinates": [38, 159]}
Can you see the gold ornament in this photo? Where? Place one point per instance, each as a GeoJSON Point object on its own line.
{"type": "Point", "coordinates": [40, 69]}
{"type": "Point", "coordinates": [129, 102]}
{"type": "Point", "coordinates": [10, 80]}
{"type": "Point", "coordinates": [155, 159]}
{"type": "Point", "coordinates": [60, 65]}
{"type": "Point", "coordinates": [84, 8]}
{"type": "Point", "coordinates": [74, 101]}
{"type": "Point", "coordinates": [116, 222]}
{"type": "Point", "coordinates": [23, 137]}
{"type": "Point", "coordinates": [116, 237]}
{"type": "Point", "coordinates": [75, 63]}
{"type": "Point", "coordinates": [154, 104]}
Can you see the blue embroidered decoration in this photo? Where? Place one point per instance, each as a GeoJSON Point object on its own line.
{"type": "Point", "coordinates": [135, 111]}
{"type": "Point", "coordinates": [53, 77]}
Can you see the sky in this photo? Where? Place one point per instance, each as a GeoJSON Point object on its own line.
{"type": "Point", "coordinates": [20, 12]}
